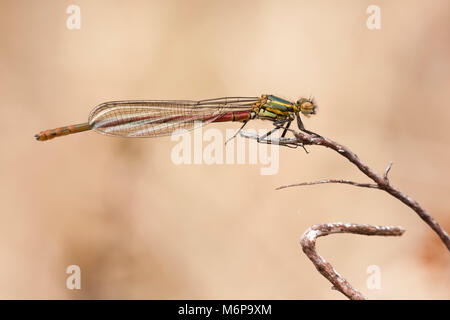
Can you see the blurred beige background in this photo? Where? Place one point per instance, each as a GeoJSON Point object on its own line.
{"type": "Point", "coordinates": [141, 227]}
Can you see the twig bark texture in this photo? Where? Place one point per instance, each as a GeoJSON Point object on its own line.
{"type": "Point", "coordinates": [308, 243]}
{"type": "Point", "coordinates": [380, 182]}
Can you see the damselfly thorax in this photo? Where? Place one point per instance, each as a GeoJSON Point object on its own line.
{"type": "Point", "coordinates": [155, 118]}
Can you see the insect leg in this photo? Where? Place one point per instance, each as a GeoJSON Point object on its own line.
{"type": "Point", "coordinates": [278, 125]}
{"type": "Point", "coordinates": [302, 127]}
{"type": "Point", "coordinates": [240, 129]}
{"type": "Point", "coordinates": [286, 129]}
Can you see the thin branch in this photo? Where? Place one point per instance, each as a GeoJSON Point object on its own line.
{"type": "Point", "coordinates": [386, 172]}
{"type": "Point", "coordinates": [302, 139]}
{"type": "Point", "coordinates": [356, 184]}
{"type": "Point", "coordinates": [308, 242]}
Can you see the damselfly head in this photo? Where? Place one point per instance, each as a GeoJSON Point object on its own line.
{"type": "Point", "coordinates": [307, 106]}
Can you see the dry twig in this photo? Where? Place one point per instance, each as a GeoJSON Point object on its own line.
{"type": "Point", "coordinates": [308, 242]}
{"type": "Point", "coordinates": [381, 182]}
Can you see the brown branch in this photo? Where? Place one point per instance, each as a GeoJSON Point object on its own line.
{"type": "Point", "coordinates": [308, 242]}
{"type": "Point", "coordinates": [356, 184]}
{"type": "Point", "coordinates": [382, 182]}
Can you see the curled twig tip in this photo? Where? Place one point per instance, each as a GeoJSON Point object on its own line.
{"type": "Point", "coordinates": [308, 242]}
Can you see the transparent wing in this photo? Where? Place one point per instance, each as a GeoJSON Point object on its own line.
{"type": "Point", "coordinates": [155, 118]}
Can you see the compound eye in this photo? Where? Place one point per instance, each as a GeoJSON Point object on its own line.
{"type": "Point", "coordinates": [307, 105]}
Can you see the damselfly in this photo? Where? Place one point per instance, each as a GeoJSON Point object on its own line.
{"type": "Point", "coordinates": [155, 118]}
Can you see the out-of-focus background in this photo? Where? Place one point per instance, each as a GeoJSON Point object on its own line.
{"type": "Point", "coordinates": [140, 226]}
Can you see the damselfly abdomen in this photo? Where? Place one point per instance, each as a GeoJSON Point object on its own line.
{"type": "Point", "coordinates": [155, 118]}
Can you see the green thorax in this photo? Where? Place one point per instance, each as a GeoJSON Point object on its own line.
{"type": "Point", "coordinates": [276, 108]}
{"type": "Point", "coordinates": [278, 103]}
